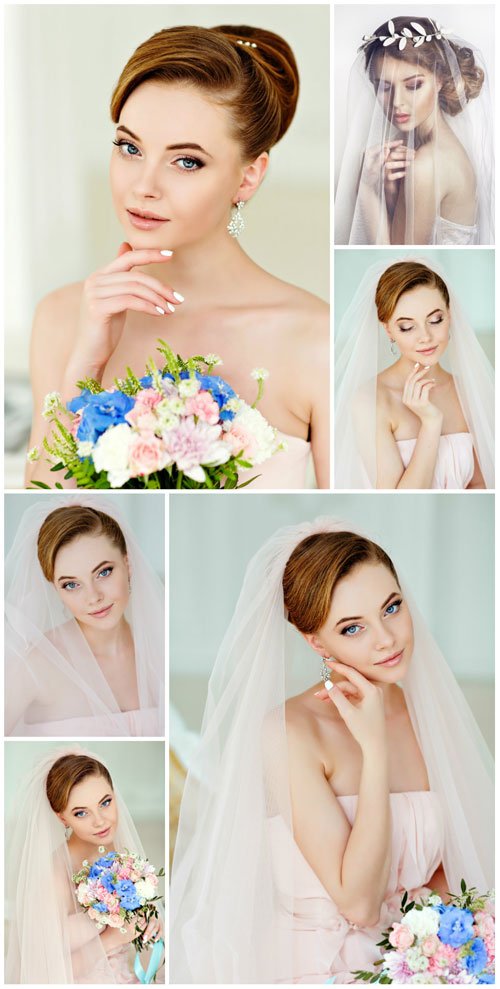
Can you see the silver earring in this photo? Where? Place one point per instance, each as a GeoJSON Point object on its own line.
{"type": "Point", "coordinates": [236, 224]}
{"type": "Point", "coordinates": [325, 671]}
{"type": "Point", "coordinates": [394, 349]}
{"type": "Point", "coordinates": [68, 832]}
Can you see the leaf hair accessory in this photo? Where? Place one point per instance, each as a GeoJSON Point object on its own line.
{"type": "Point", "coordinates": [407, 36]}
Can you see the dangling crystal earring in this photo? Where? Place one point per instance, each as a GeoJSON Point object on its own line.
{"type": "Point", "coordinates": [394, 349]}
{"type": "Point", "coordinates": [325, 671]}
{"type": "Point", "coordinates": [68, 832]}
{"type": "Point", "coordinates": [236, 224]}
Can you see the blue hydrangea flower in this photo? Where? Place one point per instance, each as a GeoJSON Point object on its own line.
{"type": "Point", "coordinates": [99, 412]}
{"type": "Point", "coordinates": [486, 979]}
{"type": "Point", "coordinates": [146, 381]}
{"type": "Point", "coordinates": [101, 907]}
{"type": "Point", "coordinates": [106, 879]}
{"type": "Point", "coordinates": [455, 926]}
{"type": "Point", "coordinates": [478, 957]}
{"type": "Point", "coordinates": [127, 894]}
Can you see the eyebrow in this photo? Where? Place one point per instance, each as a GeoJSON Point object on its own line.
{"type": "Point", "coordinates": [86, 808]}
{"type": "Point", "coordinates": [357, 618]}
{"type": "Point", "coordinates": [98, 567]}
{"type": "Point", "coordinates": [170, 147]}
{"type": "Point", "coordinates": [406, 79]}
{"type": "Point", "coordinates": [429, 314]}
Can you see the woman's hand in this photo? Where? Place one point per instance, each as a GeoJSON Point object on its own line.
{"type": "Point", "coordinates": [416, 391]}
{"type": "Point", "coordinates": [360, 704]}
{"type": "Point", "coordinates": [154, 930]}
{"type": "Point", "coordinates": [388, 161]}
{"type": "Point", "coordinates": [107, 295]}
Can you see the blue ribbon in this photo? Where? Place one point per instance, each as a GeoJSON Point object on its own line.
{"type": "Point", "coordinates": [154, 963]}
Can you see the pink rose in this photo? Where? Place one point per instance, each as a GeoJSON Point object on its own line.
{"type": "Point", "coordinates": [485, 924]}
{"type": "Point", "coordinates": [204, 406]}
{"type": "Point", "coordinates": [114, 920]}
{"type": "Point", "coordinates": [430, 945]}
{"type": "Point", "coordinates": [95, 915]}
{"type": "Point", "coordinates": [401, 937]}
{"type": "Point", "coordinates": [147, 454]}
{"type": "Point", "coordinates": [444, 957]}
{"type": "Point", "coordinates": [240, 441]}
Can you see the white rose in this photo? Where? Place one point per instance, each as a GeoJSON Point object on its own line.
{"type": "Point", "coordinates": [422, 922]}
{"type": "Point", "coordinates": [145, 888]}
{"type": "Point", "coordinates": [111, 454]}
{"type": "Point", "coordinates": [83, 893]}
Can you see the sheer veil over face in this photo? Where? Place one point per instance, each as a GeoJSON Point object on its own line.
{"type": "Point", "coordinates": [418, 160]}
{"type": "Point", "coordinates": [54, 683]}
{"type": "Point", "coordinates": [232, 922]}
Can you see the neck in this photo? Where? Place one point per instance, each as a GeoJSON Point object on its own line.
{"type": "Point", "coordinates": [80, 850]}
{"type": "Point", "coordinates": [107, 644]}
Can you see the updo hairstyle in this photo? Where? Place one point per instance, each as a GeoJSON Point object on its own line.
{"type": "Point", "coordinates": [250, 71]}
{"type": "Point", "coordinates": [66, 773]}
{"type": "Point", "coordinates": [431, 55]}
{"type": "Point", "coordinates": [400, 278]}
{"type": "Point", "coordinates": [67, 523]}
{"type": "Point", "coordinates": [315, 568]}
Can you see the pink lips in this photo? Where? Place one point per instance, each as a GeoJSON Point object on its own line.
{"type": "Point", "coordinates": [427, 352]}
{"type": "Point", "coordinates": [391, 660]}
{"type": "Point", "coordinates": [102, 613]}
{"type": "Point", "coordinates": [401, 118]}
{"type": "Point", "coordinates": [100, 834]}
{"type": "Point", "coordinates": [144, 220]}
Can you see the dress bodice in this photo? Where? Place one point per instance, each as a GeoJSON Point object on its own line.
{"type": "Point", "coordinates": [447, 232]}
{"type": "Point", "coordinates": [120, 724]}
{"type": "Point", "coordinates": [285, 469]}
{"type": "Point", "coordinates": [324, 943]}
{"type": "Point", "coordinates": [455, 460]}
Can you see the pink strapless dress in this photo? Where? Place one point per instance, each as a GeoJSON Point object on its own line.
{"type": "Point", "coordinates": [455, 460]}
{"type": "Point", "coordinates": [325, 945]}
{"type": "Point", "coordinates": [286, 469]}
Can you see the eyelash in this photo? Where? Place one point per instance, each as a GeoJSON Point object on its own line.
{"type": "Point", "coordinates": [106, 571]}
{"type": "Point", "coordinates": [105, 803]}
{"type": "Point", "coordinates": [194, 161]}
{"type": "Point", "coordinates": [433, 322]}
{"type": "Point", "coordinates": [410, 89]}
{"type": "Point", "coordinates": [394, 604]}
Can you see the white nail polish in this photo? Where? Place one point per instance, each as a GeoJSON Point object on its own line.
{"type": "Point", "coordinates": [161, 311]}
{"type": "Point", "coordinates": [416, 365]}
{"type": "Point", "coordinates": [167, 254]}
{"type": "Point", "coordinates": [426, 367]}
{"type": "Point", "coordinates": [328, 684]}
{"type": "Point", "coordinates": [170, 307]}
{"type": "Point", "coordinates": [178, 296]}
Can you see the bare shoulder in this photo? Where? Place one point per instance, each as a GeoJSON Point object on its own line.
{"type": "Point", "coordinates": [302, 311]}
{"type": "Point", "coordinates": [57, 312]}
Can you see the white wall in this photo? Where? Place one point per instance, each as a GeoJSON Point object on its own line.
{"type": "Point", "coordinates": [62, 62]}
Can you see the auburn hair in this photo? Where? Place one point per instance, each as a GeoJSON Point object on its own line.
{"type": "Point", "coordinates": [67, 523]}
{"type": "Point", "coordinates": [400, 278]}
{"type": "Point", "coordinates": [315, 568]}
{"type": "Point", "coordinates": [258, 82]}
{"type": "Point", "coordinates": [456, 90]}
{"type": "Point", "coordinates": [66, 773]}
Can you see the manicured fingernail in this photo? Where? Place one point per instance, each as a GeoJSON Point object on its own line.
{"type": "Point", "coordinates": [178, 296]}
{"type": "Point", "coordinates": [417, 365]}
{"type": "Point", "coordinates": [328, 684]}
{"type": "Point", "coordinates": [161, 311]}
{"type": "Point", "coordinates": [167, 254]}
{"type": "Point", "coordinates": [170, 307]}
{"type": "Point", "coordinates": [426, 367]}
{"type": "Point", "coordinates": [330, 662]}
{"type": "Point", "coordinates": [317, 693]}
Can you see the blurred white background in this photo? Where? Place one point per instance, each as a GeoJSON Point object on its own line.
{"type": "Point", "coordinates": [474, 23]}
{"type": "Point", "coordinates": [145, 516]}
{"type": "Point", "coordinates": [442, 545]}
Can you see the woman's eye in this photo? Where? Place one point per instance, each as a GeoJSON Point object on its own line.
{"type": "Point", "coordinates": [80, 813]}
{"type": "Point", "coordinates": [405, 329]}
{"type": "Point", "coordinates": [105, 572]}
{"type": "Point", "coordinates": [70, 586]}
{"type": "Point", "coordinates": [393, 608]}
{"type": "Point", "coordinates": [188, 164]}
{"type": "Point", "coordinates": [350, 630]}
{"type": "Point", "coordinates": [436, 322]}
{"type": "Point", "coordinates": [414, 86]}
{"type": "Point", "coordinates": [126, 149]}
{"type": "Point", "coordinates": [106, 802]}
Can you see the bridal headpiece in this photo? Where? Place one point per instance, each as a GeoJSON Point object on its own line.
{"type": "Point", "coordinates": [407, 37]}
{"type": "Point", "coordinates": [248, 44]}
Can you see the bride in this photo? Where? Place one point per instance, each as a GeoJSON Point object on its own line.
{"type": "Point", "coordinates": [84, 650]}
{"type": "Point", "coordinates": [196, 112]}
{"type": "Point", "coordinates": [418, 160]}
{"type": "Point", "coordinates": [304, 819]}
{"type": "Point", "coordinates": [67, 810]}
{"type": "Point", "coordinates": [411, 424]}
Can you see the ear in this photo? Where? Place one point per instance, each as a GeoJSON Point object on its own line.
{"type": "Point", "coordinates": [127, 564]}
{"type": "Point", "coordinates": [313, 641]}
{"type": "Point", "coordinates": [387, 330]}
{"type": "Point", "coordinates": [253, 175]}
{"type": "Point", "coordinates": [61, 818]}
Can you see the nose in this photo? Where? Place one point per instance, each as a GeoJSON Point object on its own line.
{"type": "Point", "coordinates": [400, 98]}
{"type": "Point", "coordinates": [95, 594]}
{"type": "Point", "coordinates": [384, 638]}
{"type": "Point", "coordinates": [147, 183]}
{"type": "Point", "coordinates": [425, 334]}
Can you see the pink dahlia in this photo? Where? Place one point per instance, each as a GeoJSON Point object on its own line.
{"type": "Point", "coordinates": [191, 444]}
{"type": "Point", "coordinates": [204, 407]}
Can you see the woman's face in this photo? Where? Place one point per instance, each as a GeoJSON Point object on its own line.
{"type": "Point", "coordinates": [420, 325]}
{"type": "Point", "coordinates": [369, 626]}
{"type": "Point", "coordinates": [177, 160]}
{"type": "Point", "coordinates": [408, 92]}
{"type": "Point", "coordinates": [92, 579]}
{"type": "Point", "coordinates": [91, 811]}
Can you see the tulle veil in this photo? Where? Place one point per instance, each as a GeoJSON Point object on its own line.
{"type": "Point", "coordinates": [230, 922]}
{"type": "Point", "coordinates": [42, 640]}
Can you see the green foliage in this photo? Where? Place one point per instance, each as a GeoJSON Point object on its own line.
{"type": "Point", "coordinates": [91, 385]}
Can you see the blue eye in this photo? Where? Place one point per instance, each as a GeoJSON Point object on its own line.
{"type": "Point", "coordinates": [80, 813]}
{"type": "Point", "coordinates": [350, 630]}
{"type": "Point", "coordinates": [105, 572]}
{"type": "Point", "coordinates": [71, 584]}
{"type": "Point", "coordinates": [393, 608]}
{"type": "Point", "coordinates": [190, 164]}
{"type": "Point", "coordinates": [121, 145]}
{"type": "Point", "coordinates": [106, 802]}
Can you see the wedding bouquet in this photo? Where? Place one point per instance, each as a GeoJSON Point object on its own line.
{"type": "Point", "coordinates": [179, 427]}
{"type": "Point", "coordinates": [118, 888]}
{"type": "Point", "coordinates": [437, 943]}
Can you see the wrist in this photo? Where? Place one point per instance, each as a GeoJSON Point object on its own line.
{"type": "Point", "coordinates": [432, 424]}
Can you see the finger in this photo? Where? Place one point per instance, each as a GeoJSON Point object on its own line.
{"type": "Point", "coordinates": [111, 289]}
{"type": "Point", "coordinates": [139, 277]}
{"type": "Point", "coordinates": [394, 144]}
{"type": "Point", "coordinates": [133, 259]}
{"type": "Point", "coordinates": [354, 676]}
{"type": "Point", "coordinates": [392, 176]}
{"type": "Point", "coordinates": [344, 707]}
{"type": "Point", "coordinates": [123, 248]}
{"type": "Point", "coordinates": [120, 303]}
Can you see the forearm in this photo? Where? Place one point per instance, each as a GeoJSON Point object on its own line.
{"type": "Point", "coordinates": [439, 884]}
{"type": "Point", "coordinates": [367, 857]}
{"type": "Point", "coordinates": [82, 930]}
{"type": "Point", "coordinates": [375, 214]}
{"type": "Point", "coordinates": [420, 470]}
